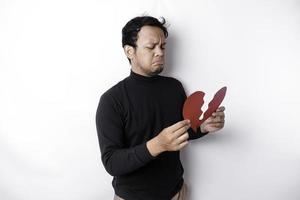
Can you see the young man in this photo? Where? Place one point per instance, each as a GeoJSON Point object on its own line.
{"type": "Point", "coordinates": [139, 120]}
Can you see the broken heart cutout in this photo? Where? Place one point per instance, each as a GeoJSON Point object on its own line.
{"type": "Point", "coordinates": [193, 104]}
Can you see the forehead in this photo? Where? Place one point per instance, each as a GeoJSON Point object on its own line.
{"type": "Point", "coordinates": [151, 34]}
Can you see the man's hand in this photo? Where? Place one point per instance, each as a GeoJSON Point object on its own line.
{"type": "Point", "coordinates": [215, 122]}
{"type": "Point", "coordinates": [172, 138]}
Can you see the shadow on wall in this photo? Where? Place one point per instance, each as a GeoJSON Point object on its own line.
{"type": "Point", "coordinates": [170, 56]}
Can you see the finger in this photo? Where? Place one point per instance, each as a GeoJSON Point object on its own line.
{"type": "Point", "coordinates": [180, 131]}
{"type": "Point", "coordinates": [222, 114]}
{"type": "Point", "coordinates": [182, 145]}
{"type": "Point", "coordinates": [216, 120]}
{"type": "Point", "coordinates": [218, 113]}
{"type": "Point", "coordinates": [221, 109]}
{"type": "Point", "coordinates": [209, 120]}
{"type": "Point", "coordinates": [179, 125]}
{"type": "Point", "coordinates": [217, 125]}
{"type": "Point", "coordinates": [182, 138]}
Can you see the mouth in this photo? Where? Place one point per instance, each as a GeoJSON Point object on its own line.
{"type": "Point", "coordinates": [158, 63]}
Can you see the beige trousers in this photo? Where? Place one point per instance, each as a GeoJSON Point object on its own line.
{"type": "Point", "coordinates": [181, 195]}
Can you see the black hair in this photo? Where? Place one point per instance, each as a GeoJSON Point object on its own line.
{"type": "Point", "coordinates": [131, 29]}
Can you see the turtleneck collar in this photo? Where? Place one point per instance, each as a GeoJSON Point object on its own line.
{"type": "Point", "coordinates": [139, 77]}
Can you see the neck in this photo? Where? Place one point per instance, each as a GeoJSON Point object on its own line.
{"type": "Point", "coordinates": [139, 71]}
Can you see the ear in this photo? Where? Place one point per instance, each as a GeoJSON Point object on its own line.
{"type": "Point", "coordinates": [129, 51]}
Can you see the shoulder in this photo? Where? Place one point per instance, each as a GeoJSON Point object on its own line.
{"type": "Point", "coordinates": [172, 81]}
{"type": "Point", "coordinates": [174, 86]}
{"type": "Point", "coordinates": [113, 94]}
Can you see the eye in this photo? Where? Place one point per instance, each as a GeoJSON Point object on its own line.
{"type": "Point", "coordinates": [150, 47]}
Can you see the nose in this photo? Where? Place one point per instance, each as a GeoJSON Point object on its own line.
{"type": "Point", "coordinates": [159, 51]}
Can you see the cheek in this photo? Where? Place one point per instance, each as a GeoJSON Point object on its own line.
{"type": "Point", "coordinates": [147, 58]}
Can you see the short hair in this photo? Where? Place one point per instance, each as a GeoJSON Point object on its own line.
{"type": "Point", "coordinates": [131, 29]}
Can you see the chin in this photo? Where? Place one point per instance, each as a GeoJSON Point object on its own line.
{"type": "Point", "coordinates": [158, 70]}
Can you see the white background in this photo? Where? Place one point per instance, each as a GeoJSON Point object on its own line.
{"type": "Point", "coordinates": [57, 58]}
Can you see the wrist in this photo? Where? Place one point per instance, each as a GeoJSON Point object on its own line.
{"type": "Point", "coordinates": [154, 147]}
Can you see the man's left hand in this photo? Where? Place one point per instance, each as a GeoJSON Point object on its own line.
{"type": "Point", "coordinates": [214, 122]}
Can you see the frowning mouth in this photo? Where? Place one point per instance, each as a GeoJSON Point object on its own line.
{"type": "Point", "coordinates": [158, 63]}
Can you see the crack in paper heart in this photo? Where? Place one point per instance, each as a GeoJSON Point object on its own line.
{"type": "Point", "coordinates": [193, 104]}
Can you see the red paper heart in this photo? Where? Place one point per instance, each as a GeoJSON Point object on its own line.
{"type": "Point", "coordinates": [193, 104]}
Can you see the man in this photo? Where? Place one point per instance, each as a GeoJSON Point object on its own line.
{"type": "Point", "coordinates": [139, 120]}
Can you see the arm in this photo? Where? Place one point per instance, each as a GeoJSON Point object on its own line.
{"type": "Point", "coordinates": [117, 159]}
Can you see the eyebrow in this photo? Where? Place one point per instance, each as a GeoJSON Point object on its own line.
{"type": "Point", "coordinates": [155, 43]}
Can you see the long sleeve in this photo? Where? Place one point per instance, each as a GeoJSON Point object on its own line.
{"type": "Point", "coordinates": [193, 135]}
{"type": "Point", "coordinates": [117, 159]}
{"type": "Point", "coordinates": [129, 114]}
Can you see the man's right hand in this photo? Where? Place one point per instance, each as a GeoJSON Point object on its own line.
{"type": "Point", "coordinates": [172, 138]}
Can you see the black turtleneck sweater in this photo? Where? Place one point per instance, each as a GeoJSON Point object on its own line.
{"type": "Point", "coordinates": [129, 114]}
